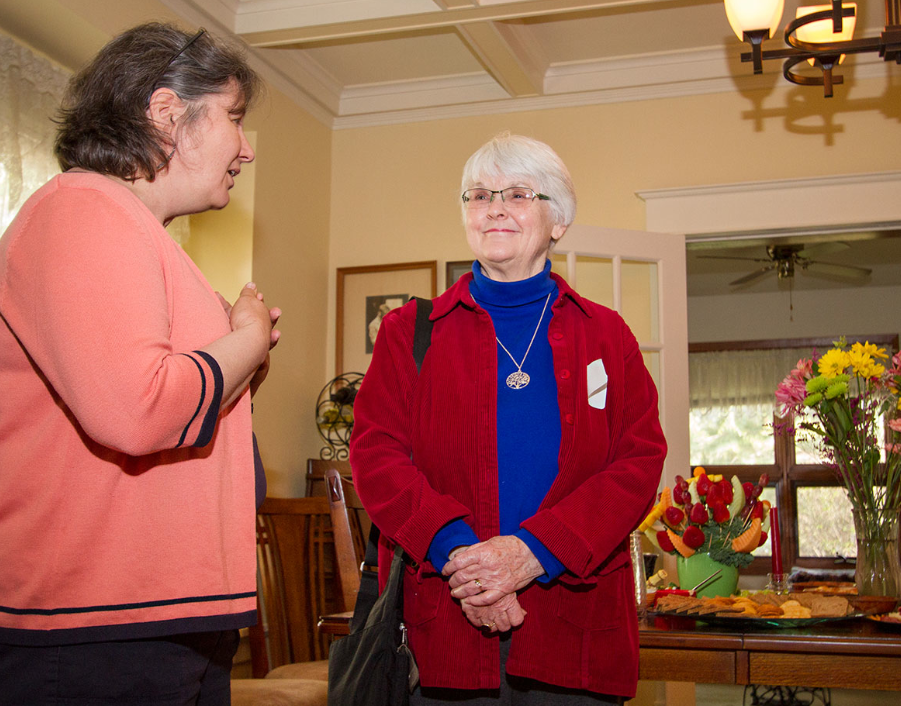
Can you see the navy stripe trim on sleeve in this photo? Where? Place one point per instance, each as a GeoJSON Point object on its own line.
{"type": "Point", "coordinates": [184, 432]}
{"type": "Point", "coordinates": [126, 606]}
{"type": "Point", "coordinates": [212, 412]}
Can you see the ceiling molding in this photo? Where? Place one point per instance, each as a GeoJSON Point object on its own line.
{"type": "Point", "coordinates": [302, 33]}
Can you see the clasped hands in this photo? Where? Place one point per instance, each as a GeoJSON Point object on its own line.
{"type": "Point", "coordinates": [485, 578]}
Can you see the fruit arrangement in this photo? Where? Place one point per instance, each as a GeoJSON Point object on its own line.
{"type": "Point", "coordinates": [708, 514]}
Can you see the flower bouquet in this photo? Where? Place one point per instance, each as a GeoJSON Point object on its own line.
{"type": "Point", "coordinates": [725, 519]}
{"type": "Point", "coordinates": [838, 400]}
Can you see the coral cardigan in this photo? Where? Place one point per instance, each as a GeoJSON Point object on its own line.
{"type": "Point", "coordinates": [424, 453]}
{"type": "Point", "coordinates": [126, 498]}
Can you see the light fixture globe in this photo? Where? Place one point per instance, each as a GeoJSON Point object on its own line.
{"type": "Point", "coordinates": [820, 31]}
{"type": "Point", "coordinates": [748, 15]}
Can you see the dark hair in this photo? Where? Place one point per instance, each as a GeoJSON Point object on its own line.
{"type": "Point", "coordinates": [103, 122]}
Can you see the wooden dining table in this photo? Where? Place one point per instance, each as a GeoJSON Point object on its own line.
{"type": "Point", "coordinates": [850, 654]}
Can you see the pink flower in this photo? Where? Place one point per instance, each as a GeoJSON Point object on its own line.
{"type": "Point", "coordinates": [893, 448]}
{"type": "Point", "coordinates": [791, 393]}
{"type": "Point", "coordinates": [803, 370]}
{"type": "Point", "coordinates": [895, 424]}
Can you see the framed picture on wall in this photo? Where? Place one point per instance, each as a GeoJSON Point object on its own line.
{"type": "Point", "coordinates": [454, 270]}
{"type": "Point", "coordinates": [364, 295]}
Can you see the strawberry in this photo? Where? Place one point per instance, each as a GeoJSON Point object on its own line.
{"type": "Point", "coordinates": [693, 536]}
{"type": "Point", "coordinates": [698, 514]}
{"type": "Point", "coordinates": [757, 511]}
{"type": "Point", "coordinates": [664, 541]}
{"type": "Point", "coordinates": [720, 512]}
{"type": "Point", "coordinates": [673, 516]}
{"type": "Point", "coordinates": [715, 494]}
{"type": "Point", "coordinates": [726, 489]}
{"type": "Point", "coordinates": [763, 537]}
{"type": "Point", "coordinates": [748, 487]}
{"type": "Point", "coordinates": [703, 484]}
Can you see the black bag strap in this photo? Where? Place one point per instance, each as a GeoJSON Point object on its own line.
{"type": "Point", "coordinates": [422, 333]}
{"type": "Point", "coordinates": [369, 578]}
{"type": "Point", "coordinates": [369, 582]}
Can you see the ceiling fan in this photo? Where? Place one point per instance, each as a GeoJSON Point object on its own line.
{"type": "Point", "coordinates": [785, 259]}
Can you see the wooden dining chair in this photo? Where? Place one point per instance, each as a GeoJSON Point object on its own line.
{"type": "Point", "coordinates": [307, 568]}
{"type": "Point", "coordinates": [358, 518]}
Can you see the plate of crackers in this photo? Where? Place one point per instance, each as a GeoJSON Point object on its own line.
{"type": "Point", "coordinates": [760, 609]}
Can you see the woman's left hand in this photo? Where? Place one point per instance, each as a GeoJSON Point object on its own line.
{"type": "Point", "coordinates": [486, 572]}
{"type": "Point", "coordinates": [500, 616]}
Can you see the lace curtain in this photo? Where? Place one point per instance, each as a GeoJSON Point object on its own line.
{"type": "Point", "coordinates": [31, 88]}
{"type": "Point", "coordinates": [739, 377]}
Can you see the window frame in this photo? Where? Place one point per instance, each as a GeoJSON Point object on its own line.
{"type": "Point", "coordinates": [786, 476]}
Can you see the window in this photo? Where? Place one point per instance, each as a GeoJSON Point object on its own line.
{"type": "Point", "coordinates": [733, 412]}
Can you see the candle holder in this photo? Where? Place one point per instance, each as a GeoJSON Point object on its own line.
{"type": "Point", "coordinates": [778, 583]}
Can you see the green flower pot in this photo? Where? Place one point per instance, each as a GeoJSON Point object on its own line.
{"type": "Point", "coordinates": [698, 567]}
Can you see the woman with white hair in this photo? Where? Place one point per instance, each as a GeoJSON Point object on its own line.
{"type": "Point", "coordinates": [513, 466]}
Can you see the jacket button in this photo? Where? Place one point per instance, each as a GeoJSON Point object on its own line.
{"type": "Point", "coordinates": [570, 419]}
{"type": "Point", "coordinates": [558, 336]}
{"type": "Point", "coordinates": [564, 374]}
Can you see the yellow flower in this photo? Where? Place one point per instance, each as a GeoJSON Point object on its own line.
{"type": "Point", "coordinates": [833, 363]}
{"type": "Point", "coordinates": [869, 349]}
{"type": "Point", "coordinates": [863, 364]}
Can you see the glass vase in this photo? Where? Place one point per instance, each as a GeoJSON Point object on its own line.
{"type": "Point", "coordinates": [878, 571]}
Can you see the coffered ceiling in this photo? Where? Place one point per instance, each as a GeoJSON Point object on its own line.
{"type": "Point", "coordinates": [365, 62]}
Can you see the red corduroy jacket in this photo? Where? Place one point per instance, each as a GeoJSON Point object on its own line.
{"type": "Point", "coordinates": [424, 452]}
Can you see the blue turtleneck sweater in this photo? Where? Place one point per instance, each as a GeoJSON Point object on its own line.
{"type": "Point", "coordinates": [528, 419]}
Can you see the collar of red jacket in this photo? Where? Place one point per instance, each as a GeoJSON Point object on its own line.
{"type": "Point", "coordinates": [459, 294]}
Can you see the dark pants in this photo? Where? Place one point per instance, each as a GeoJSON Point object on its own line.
{"type": "Point", "coordinates": [168, 671]}
{"type": "Point", "coordinates": [514, 691]}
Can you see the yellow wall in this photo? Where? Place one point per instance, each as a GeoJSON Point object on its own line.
{"type": "Point", "coordinates": [290, 265]}
{"type": "Point", "coordinates": [395, 188]}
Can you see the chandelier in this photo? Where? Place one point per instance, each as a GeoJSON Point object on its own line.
{"type": "Point", "coordinates": [821, 35]}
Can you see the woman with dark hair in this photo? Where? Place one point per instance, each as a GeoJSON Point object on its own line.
{"type": "Point", "coordinates": [128, 485]}
{"type": "Point", "coordinates": [513, 465]}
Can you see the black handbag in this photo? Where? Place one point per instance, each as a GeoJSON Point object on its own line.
{"type": "Point", "coordinates": [373, 665]}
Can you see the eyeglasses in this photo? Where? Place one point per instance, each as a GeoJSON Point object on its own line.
{"type": "Point", "coordinates": [179, 53]}
{"type": "Point", "coordinates": [513, 197]}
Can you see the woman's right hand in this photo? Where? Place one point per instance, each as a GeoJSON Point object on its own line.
{"type": "Point", "coordinates": [250, 310]}
{"type": "Point", "coordinates": [501, 616]}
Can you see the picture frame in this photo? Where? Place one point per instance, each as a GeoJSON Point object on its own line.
{"type": "Point", "coordinates": [454, 270]}
{"type": "Point", "coordinates": [364, 295]}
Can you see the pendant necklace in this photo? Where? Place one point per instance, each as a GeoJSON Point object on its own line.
{"type": "Point", "coordinates": [519, 379]}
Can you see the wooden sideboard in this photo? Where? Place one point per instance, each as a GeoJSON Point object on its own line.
{"type": "Point", "coordinates": [852, 654]}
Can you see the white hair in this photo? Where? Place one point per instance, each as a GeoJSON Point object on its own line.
{"type": "Point", "coordinates": [518, 157]}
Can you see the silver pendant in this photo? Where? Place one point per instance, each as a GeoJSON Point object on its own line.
{"type": "Point", "coordinates": [518, 380]}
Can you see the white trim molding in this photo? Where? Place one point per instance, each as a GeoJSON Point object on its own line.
{"type": "Point", "coordinates": [816, 204]}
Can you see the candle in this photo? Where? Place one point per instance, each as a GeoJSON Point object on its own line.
{"type": "Point", "coordinates": [775, 542]}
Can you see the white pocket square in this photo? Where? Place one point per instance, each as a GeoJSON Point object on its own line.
{"type": "Point", "coordinates": [597, 384]}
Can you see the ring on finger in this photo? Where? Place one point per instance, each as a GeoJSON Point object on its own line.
{"type": "Point", "coordinates": [477, 583]}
